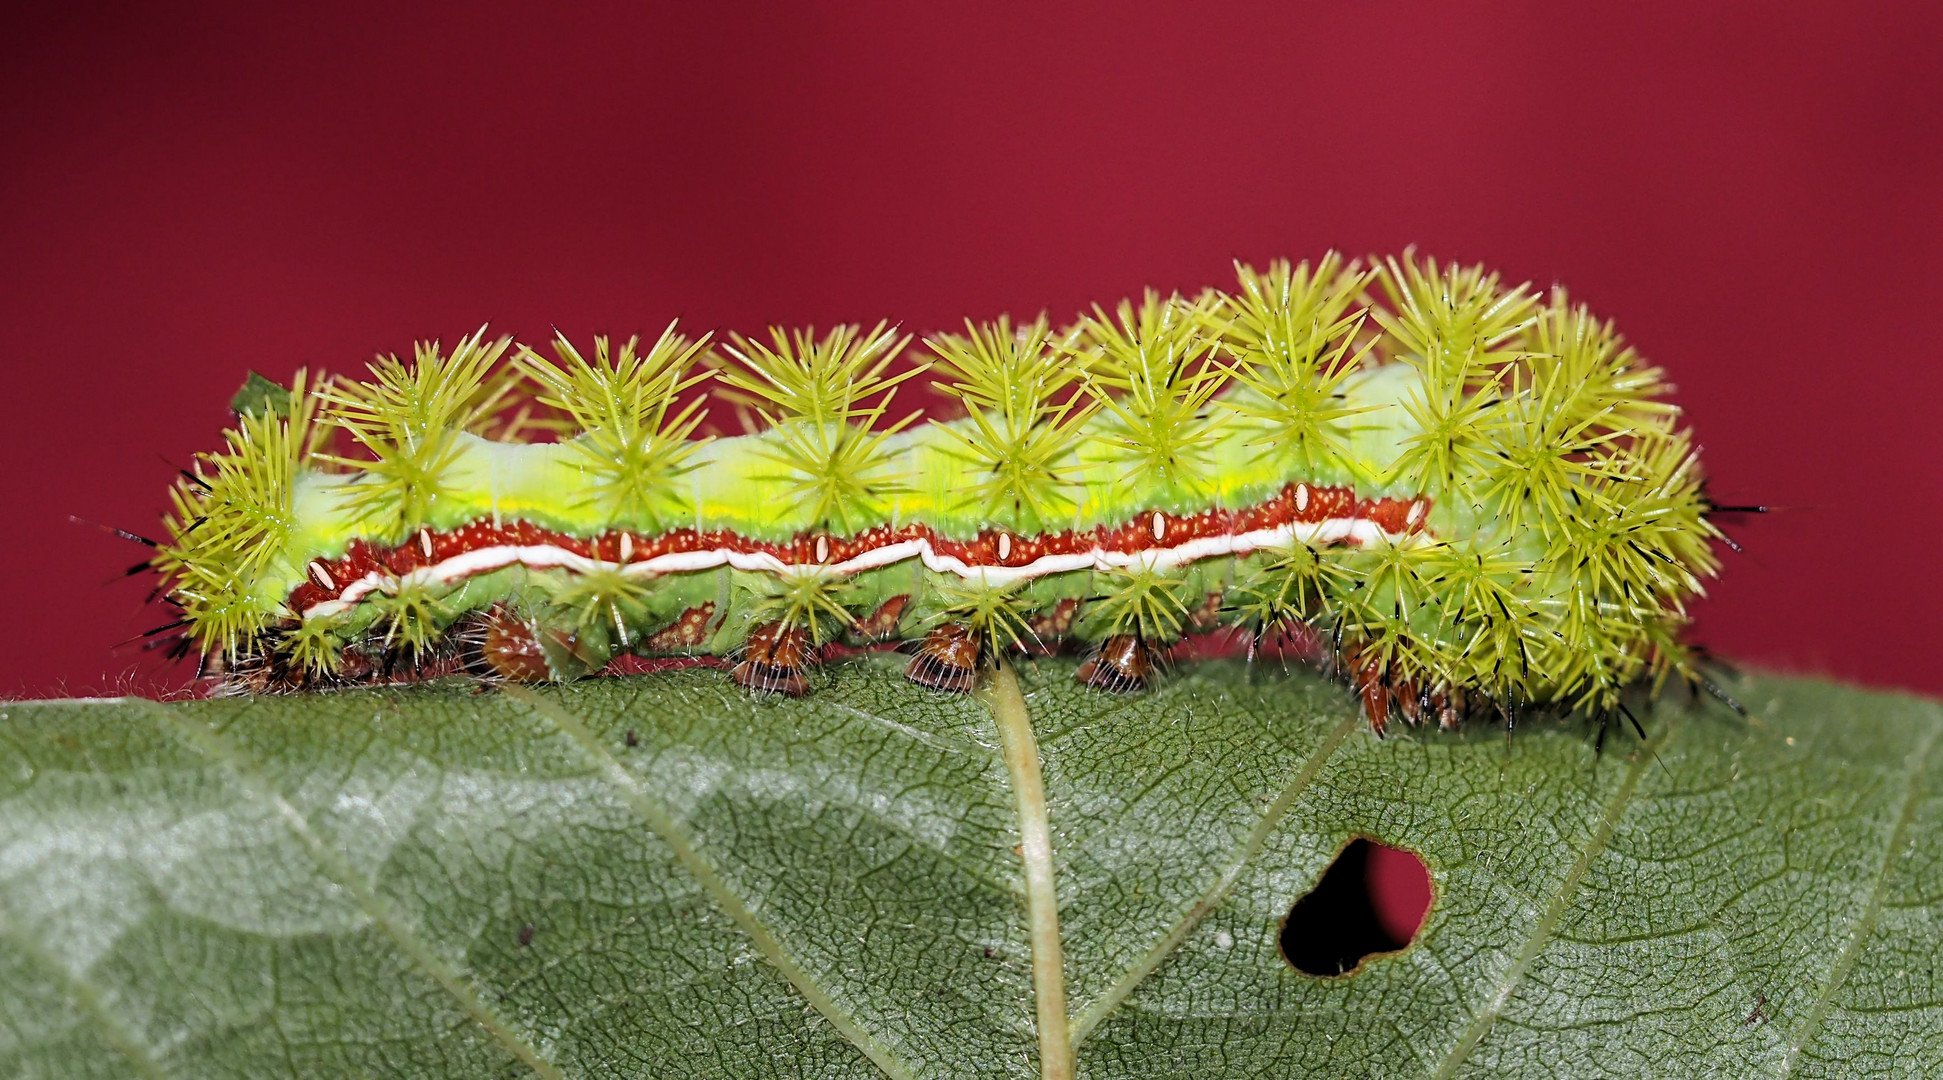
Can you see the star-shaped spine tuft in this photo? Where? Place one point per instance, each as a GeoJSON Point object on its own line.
{"type": "Point", "coordinates": [807, 600]}
{"type": "Point", "coordinates": [994, 613]}
{"type": "Point", "coordinates": [410, 417]}
{"type": "Point", "coordinates": [1139, 601]}
{"type": "Point", "coordinates": [809, 391]}
{"type": "Point", "coordinates": [635, 439]}
{"type": "Point", "coordinates": [1459, 327]}
{"type": "Point", "coordinates": [1026, 410]}
{"type": "Point", "coordinates": [1293, 334]}
{"type": "Point", "coordinates": [1152, 370]}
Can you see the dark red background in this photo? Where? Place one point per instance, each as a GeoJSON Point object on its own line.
{"type": "Point", "coordinates": [1755, 192]}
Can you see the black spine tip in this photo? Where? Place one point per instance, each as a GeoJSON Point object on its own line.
{"type": "Point", "coordinates": [1638, 728]}
{"type": "Point", "coordinates": [1722, 696]}
{"type": "Point", "coordinates": [131, 537]}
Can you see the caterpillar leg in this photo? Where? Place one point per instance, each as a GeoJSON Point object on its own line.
{"type": "Point", "coordinates": [881, 625]}
{"type": "Point", "coordinates": [1373, 687]}
{"type": "Point", "coordinates": [774, 660]}
{"type": "Point", "coordinates": [520, 648]}
{"type": "Point", "coordinates": [689, 631]}
{"type": "Point", "coordinates": [1048, 630]}
{"type": "Point", "coordinates": [511, 647]}
{"type": "Point", "coordinates": [946, 660]}
{"type": "Point", "coordinates": [1124, 663]}
{"type": "Point", "coordinates": [1412, 700]}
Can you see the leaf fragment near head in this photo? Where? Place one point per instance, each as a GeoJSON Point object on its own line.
{"type": "Point", "coordinates": [232, 516]}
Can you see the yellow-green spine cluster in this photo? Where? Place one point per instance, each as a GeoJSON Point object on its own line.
{"type": "Point", "coordinates": [636, 437]}
{"type": "Point", "coordinates": [1025, 417]}
{"type": "Point", "coordinates": [812, 393]}
{"type": "Point", "coordinates": [1292, 338]}
{"type": "Point", "coordinates": [410, 418]}
{"type": "Point", "coordinates": [232, 517]}
{"type": "Point", "coordinates": [1566, 524]}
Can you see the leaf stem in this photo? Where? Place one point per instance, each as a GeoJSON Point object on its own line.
{"type": "Point", "coordinates": [1042, 900]}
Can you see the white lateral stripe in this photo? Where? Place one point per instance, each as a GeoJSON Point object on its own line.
{"type": "Point", "coordinates": [548, 557]}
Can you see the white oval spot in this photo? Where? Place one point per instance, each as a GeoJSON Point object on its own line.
{"type": "Point", "coordinates": [1416, 512]}
{"type": "Point", "coordinates": [321, 575]}
{"type": "Point", "coordinates": [627, 547]}
{"type": "Point", "coordinates": [1004, 546]}
{"type": "Point", "coordinates": [822, 549]}
{"type": "Point", "coordinates": [1160, 526]}
{"type": "Point", "coordinates": [1301, 497]}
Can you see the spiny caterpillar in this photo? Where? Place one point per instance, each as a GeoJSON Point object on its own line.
{"type": "Point", "coordinates": [1464, 496]}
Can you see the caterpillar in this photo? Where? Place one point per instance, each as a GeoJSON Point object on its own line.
{"type": "Point", "coordinates": [1464, 496]}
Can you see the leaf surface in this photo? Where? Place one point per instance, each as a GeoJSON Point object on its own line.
{"type": "Point", "coordinates": [660, 877]}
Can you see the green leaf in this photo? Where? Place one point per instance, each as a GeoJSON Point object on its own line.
{"type": "Point", "coordinates": [260, 395]}
{"type": "Point", "coordinates": [660, 877]}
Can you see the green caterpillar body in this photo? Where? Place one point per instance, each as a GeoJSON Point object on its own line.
{"type": "Point", "coordinates": [1463, 495]}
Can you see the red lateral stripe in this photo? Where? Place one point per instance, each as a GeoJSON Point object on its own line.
{"type": "Point", "coordinates": [1154, 529]}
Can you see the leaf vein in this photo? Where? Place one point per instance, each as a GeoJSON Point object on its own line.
{"type": "Point", "coordinates": [1542, 930]}
{"type": "Point", "coordinates": [926, 738]}
{"type": "Point", "coordinates": [87, 999]}
{"type": "Point", "coordinates": [1096, 1012]}
{"type": "Point", "coordinates": [1865, 924]}
{"type": "Point", "coordinates": [334, 867]}
{"type": "Point", "coordinates": [678, 839]}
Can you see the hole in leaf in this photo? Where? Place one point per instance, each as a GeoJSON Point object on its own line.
{"type": "Point", "coordinates": [1372, 900]}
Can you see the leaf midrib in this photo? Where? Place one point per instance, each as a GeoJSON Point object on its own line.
{"type": "Point", "coordinates": [1023, 766]}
